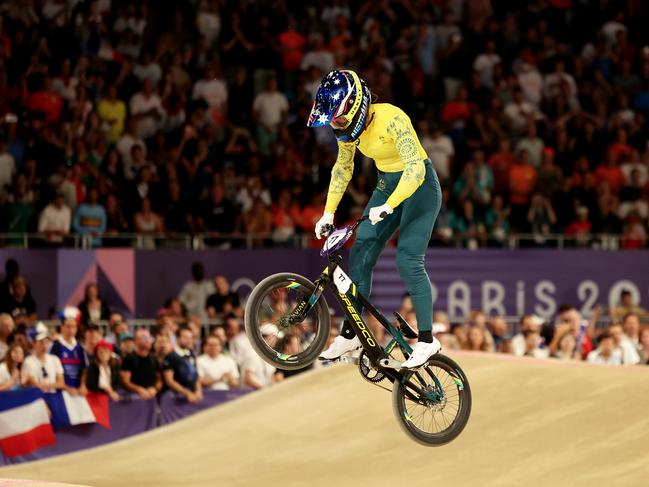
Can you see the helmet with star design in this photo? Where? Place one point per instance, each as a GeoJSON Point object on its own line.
{"type": "Point", "coordinates": [342, 101]}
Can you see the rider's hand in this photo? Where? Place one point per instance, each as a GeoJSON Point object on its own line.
{"type": "Point", "coordinates": [375, 213]}
{"type": "Point", "coordinates": [320, 226]}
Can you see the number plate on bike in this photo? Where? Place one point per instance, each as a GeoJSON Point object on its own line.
{"type": "Point", "coordinates": [336, 240]}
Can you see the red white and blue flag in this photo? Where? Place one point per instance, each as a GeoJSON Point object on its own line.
{"type": "Point", "coordinates": [24, 422]}
{"type": "Point", "coordinates": [68, 410]}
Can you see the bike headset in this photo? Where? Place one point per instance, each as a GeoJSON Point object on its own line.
{"type": "Point", "coordinates": [342, 97]}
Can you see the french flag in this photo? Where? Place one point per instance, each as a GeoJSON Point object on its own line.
{"type": "Point", "coordinates": [68, 410]}
{"type": "Point", "coordinates": [24, 422]}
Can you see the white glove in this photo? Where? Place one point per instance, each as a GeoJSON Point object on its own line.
{"type": "Point", "coordinates": [375, 213]}
{"type": "Point", "coordinates": [325, 219]}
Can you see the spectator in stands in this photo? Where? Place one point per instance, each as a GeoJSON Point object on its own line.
{"type": "Point", "coordinates": [7, 169]}
{"type": "Point", "coordinates": [477, 340]}
{"type": "Point", "coordinates": [500, 332]}
{"type": "Point", "coordinates": [20, 305]}
{"type": "Point", "coordinates": [627, 306]}
{"type": "Point", "coordinates": [126, 344]}
{"type": "Point", "coordinates": [270, 108]}
{"type": "Point", "coordinates": [533, 343]}
{"type": "Point", "coordinates": [92, 335]}
{"type": "Point", "coordinates": [103, 372]}
{"type": "Point", "coordinates": [570, 320]}
{"type": "Point", "coordinates": [194, 293]}
{"type": "Point", "coordinates": [146, 109]}
{"type": "Point", "coordinates": [522, 179]}
{"type": "Point", "coordinates": [567, 347]}
{"type": "Point", "coordinates": [70, 352]}
{"type": "Point", "coordinates": [55, 220]}
{"type": "Point", "coordinates": [42, 369]}
{"type": "Point", "coordinates": [644, 345]}
{"type": "Point", "coordinates": [606, 353]}
{"type": "Point", "coordinates": [148, 223]}
{"type": "Point", "coordinates": [631, 327]}
{"type": "Point", "coordinates": [179, 368]}
{"type": "Point", "coordinates": [528, 323]}
{"type": "Point", "coordinates": [629, 353]}
{"type": "Point", "coordinates": [140, 371]}
{"type": "Point", "coordinates": [224, 301]}
{"type": "Point", "coordinates": [90, 218]}
{"type": "Point", "coordinates": [93, 308]}
{"type": "Point", "coordinates": [10, 368]}
{"type": "Point", "coordinates": [116, 326]}
{"type": "Point", "coordinates": [216, 370]}
{"type": "Point", "coordinates": [541, 217]}
{"type": "Point", "coordinates": [113, 112]}
{"type": "Point", "coordinates": [533, 145]}
{"type": "Point", "coordinates": [439, 148]}
{"type": "Point", "coordinates": [257, 373]}
{"type": "Point", "coordinates": [7, 326]}
{"type": "Point", "coordinates": [238, 343]}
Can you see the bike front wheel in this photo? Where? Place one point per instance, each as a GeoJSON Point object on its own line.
{"type": "Point", "coordinates": [432, 404]}
{"type": "Point", "coordinates": [280, 341]}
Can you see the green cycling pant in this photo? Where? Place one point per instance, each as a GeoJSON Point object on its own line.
{"type": "Point", "coordinates": [414, 218]}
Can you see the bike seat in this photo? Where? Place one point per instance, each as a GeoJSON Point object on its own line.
{"type": "Point", "coordinates": [405, 328]}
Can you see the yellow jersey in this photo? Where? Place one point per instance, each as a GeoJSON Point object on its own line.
{"type": "Point", "coordinates": [391, 141]}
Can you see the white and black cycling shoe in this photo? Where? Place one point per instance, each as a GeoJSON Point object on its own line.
{"type": "Point", "coordinates": [339, 347]}
{"type": "Point", "coordinates": [421, 353]}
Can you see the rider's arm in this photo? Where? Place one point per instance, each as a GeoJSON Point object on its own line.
{"type": "Point", "coordinates": [341, 174]}
{"type": "Point", "coordinates": [405, 141]}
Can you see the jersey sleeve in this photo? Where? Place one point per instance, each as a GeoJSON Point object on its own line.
{"type": "Point", "coordinates": [341, 174]}
{"type": "Point", "coordinates": [405, 141]}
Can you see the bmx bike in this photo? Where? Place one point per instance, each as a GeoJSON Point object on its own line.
{"type": "Point", "coordinates": [287, 321]}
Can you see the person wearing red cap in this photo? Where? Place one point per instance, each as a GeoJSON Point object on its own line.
{"type": "Point", "coordinates": [103, 372]}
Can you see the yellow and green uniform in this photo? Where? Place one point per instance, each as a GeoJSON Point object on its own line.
{"type": "Point", "coordinates": [408, 183]}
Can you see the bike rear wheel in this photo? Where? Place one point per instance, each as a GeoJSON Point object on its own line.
{"type": "Point", "coordinates": [268, 310]}
{"type": "Point", "coordinates": [432, 404]}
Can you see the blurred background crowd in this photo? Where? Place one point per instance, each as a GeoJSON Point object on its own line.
{"type": "Point", "coordinates": [188, 118]}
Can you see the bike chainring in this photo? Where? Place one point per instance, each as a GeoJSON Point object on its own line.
{"type": "Point", "coordinates": [368, 372]}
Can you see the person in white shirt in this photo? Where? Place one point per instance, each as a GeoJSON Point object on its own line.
{"type": "Point", "coordinates": [55, 220]}
{"type": "Point", "coordinates": [439, 148]}
{"type": "Point", "coordinates": [551, 85]}
{"type": "Point", "coordinates": [213, 90]}
{"type": "Point", "coordinates": [146, 109]}
{"type": "Point", "coordinates": [257, 373]}
{"type": "Point", "coordinates": [41, 369]}
{"type": "Point", "coordinates": [194, 293]}
{"type": "Point", "coordinates": [519, 111]}
{"type": "Point", "coordinates": [318, 57]}
{"type": "Point", "coordinates": [528, 324]}
{"type": "Point", "coordinates": [606, 353]}
{"type": "Point", "coordinates": [484, 64]}
{"type": "Point", "coordinates": [7, 169]}
{"type": "Point", "coordinates": [270, 107]}
{"type": "Point", "coordinates": [238, 344]}
{"type": "Point", "coordinates": [625, 345]}
{"type": "Point", "coordinates": [125, 145]}
{"type": "Point", "coordinates": [216, 370]}
{"type": "Point", "coordinates": [531, 82]}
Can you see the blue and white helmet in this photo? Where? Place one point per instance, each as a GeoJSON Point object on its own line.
{"type": "Point", "coordinates": [343, 101]}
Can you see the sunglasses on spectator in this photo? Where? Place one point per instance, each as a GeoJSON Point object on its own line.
{"type": "Point", "coordinates": [44, 372]}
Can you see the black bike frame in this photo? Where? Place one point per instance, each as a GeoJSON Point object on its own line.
{"type": "Point", "coordinates": [346, 293]}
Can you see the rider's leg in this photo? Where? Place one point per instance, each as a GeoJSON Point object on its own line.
{"type": "Point", "coordinates": [416, 227]}
{"type": "Point", "coordinates": [369, 243]}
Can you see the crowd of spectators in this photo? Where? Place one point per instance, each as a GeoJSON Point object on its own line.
{"type": "Point", "coordinates": [166, 118]}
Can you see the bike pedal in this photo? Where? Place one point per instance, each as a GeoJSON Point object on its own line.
{"type": "Point", "coordinates": [349, 359]}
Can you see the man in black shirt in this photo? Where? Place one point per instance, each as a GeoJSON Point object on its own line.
{"type": "Point", "coordinates": [19, 304]}
{"type": "Point", "coordinates": [224, 301]}
{"type": "Point", "coordinates": [140, 372]}
{"type": "Point", "coordinates": [179, 368]}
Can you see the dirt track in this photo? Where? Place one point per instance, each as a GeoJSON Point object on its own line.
{"type": "Point", "coordinates": [534, 423]}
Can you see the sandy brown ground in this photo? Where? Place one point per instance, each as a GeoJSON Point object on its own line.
{"type": "Point", "coordinates": [534, 423]}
